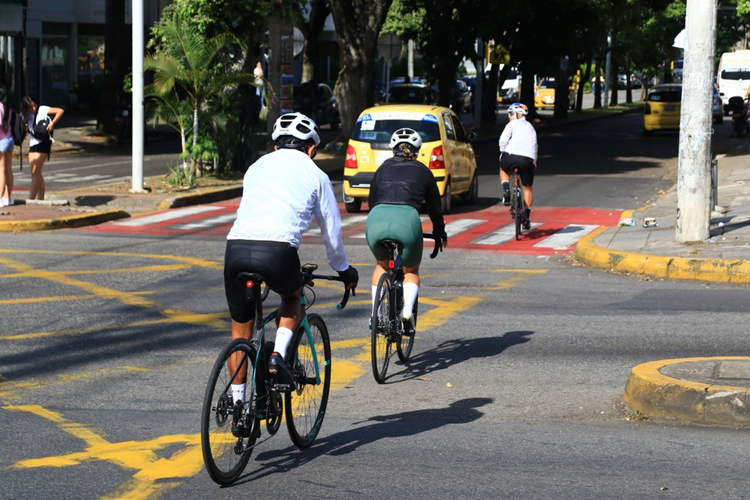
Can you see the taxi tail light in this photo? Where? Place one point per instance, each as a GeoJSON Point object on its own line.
{"type": "Point", "coordinates": [648, 109]}
{"type": "Point", "coordinates": [351, 158]}
{"type": "Point", "coordinates": [437, 162]}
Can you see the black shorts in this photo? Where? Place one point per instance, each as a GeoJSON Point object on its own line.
{"type": "Point", "coordinates": [42, 147]}
{"type": "Point", "coordinates": [277, 262]}
{"type": "Point", "coordinates": [525, 166]}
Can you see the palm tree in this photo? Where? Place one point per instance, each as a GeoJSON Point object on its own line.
{"type": "Point", "coordinates": [186, 59]}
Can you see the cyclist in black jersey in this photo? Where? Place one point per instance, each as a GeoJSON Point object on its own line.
{"type": "Point", "coordinates": [397, 191]}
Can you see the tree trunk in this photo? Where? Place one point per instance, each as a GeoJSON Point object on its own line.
{"type": "Point", "coordinates": [527, 87]}
{"type": "Point", "coordinates": [597, 87]}
{"type": "Point", "coordinates": [358, 24]}
{"type": "Point", "coordinates": [311, 28]}
{"type": "Point", "coordinates": [489, 97]}
{"type": "Point", "coordinates": [581, 82]}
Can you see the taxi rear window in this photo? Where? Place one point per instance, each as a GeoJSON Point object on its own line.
{"type": "Point", "coordinates": [380, 131]}
{"type": "Point", "coordinates": [665, 96]}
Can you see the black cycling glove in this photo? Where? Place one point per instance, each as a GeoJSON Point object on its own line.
{"type": "Point", "coordinates": [349, 276]}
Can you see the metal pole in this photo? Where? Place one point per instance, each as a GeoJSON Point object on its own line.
{"type": "Point", "coordinates": [411, 58]}
{"type": "Point", "coordinates": [605, 104]}
{"type": "Point", "coordinates": [137, 121]}
{"type": "Point", "coordinates": [714, 185]}
{"type": "Point", "coordinates": [694, 162]}
{"type": "Point", "coordinates": [387, 79]}
{"type": "Point", "coordinates": [478, 85]}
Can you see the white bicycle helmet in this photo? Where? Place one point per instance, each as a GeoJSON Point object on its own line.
{"type": "Point", "coordinates": [518, 107]}
{"type": "Point", "coordinates": [298, 126]}
{"type": "Point", "coordinates": [407, 135]}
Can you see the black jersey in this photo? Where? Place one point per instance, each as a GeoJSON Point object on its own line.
{"type": "Point", "coordinates": [400, 181]}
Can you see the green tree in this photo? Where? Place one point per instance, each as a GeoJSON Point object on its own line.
{"type": "Point", "coordinates": [184, 58]}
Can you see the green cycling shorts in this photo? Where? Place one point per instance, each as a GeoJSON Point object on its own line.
{"type": "Point", "coordinates": [395, 222]}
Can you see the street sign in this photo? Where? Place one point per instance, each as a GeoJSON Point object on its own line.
{"type": "Point", "coordinates": [389, 46]}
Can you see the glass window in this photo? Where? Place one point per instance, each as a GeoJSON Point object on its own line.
{"type": "Point", "coordinates": [459, 129]}
{"type": "Point", "coordinates": [415, 95]}
{"type": "Point", "coordinates": [736, 74]}
{"type": "Point", "coordinates": [449, 133]}
{"type": "Point", "coordinates": [665, 96]}
{"type": "Point", "coordinates": [55, 70]}
{"type": "Point", "coordinates": [90, 70]}
{"type": "Point", "coordinates": [380, 131]}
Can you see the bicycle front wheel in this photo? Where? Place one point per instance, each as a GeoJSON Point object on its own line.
{"type": "Point", "coordinates": [311, 368]}
{"type": "Point", "coordinates": [381, 329]}
{"type": "Point", "coordinates": [405, 343]}
{"type": "Point", "coordinates": [225, 454]}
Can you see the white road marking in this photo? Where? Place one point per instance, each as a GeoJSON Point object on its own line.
{"type": "Point", "coordinates": [566, 237]}
{"type": "Point", "coordinates": [207, 223]}
{"type": "Point", "coordinates": [169, 215]}
{"type": "Point", "coordinates": [502, 235]}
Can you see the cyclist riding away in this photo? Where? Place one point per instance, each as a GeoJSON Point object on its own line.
{"type": "Point", "coordinates": [282, 192]}
{"type": "Point", "coordinates": [396, 194]}
{"type": "Point", "coordinates": [518, 148]}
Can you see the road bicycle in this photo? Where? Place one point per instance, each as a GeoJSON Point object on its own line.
{"type": "Point", "coordinates": [516, 201]}
{"type": "Point", "coordinates": [386, 327]}
{"type": "Point", "coordinates": [231, 429]}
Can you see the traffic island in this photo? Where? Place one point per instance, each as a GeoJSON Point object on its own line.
{"type": "Point", "coordinates": [711, 391]}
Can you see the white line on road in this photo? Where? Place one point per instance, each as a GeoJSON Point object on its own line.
{"type": "Point", "coordinates": [566, 236]}
{"type": "Point", "coordinates": [502, 235]}
{"type": "Point", "coordinates": [207, 223]}
{"type": "Point", "coordinates": [169, 215]}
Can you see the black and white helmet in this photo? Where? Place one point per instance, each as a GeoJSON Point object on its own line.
{"type": "Point", "coordinates": [407, 135]}
{"type": "Point", "coordinates": [298, 126]}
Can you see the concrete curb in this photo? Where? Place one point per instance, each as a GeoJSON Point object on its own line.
{"type": "Point", "coordinates": [208, 196]}
{"type": "Point", "coordinates": [79, 220]}
{"type": "Point", "coordinates": [674, 268]}
{"type": "Point", "coordinates": [658, 396]}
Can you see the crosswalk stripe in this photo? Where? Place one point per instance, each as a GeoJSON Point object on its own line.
{"type": "Point", "coordinates": [345, 222]}
{"type": "Point", "coordinates": [206, 223]}
{"type": "Point", "coordinates": [566, 236]}
{"type": "Point", "coordinates": [502, 235]}
{"type": "Point", "coordinates": [460, 225]}
{"type": "Point", "coordinates": [165, 216]}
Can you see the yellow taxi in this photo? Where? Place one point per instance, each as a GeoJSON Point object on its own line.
{"type": "Point", "coordinates": [544, 94]}
{"type": "Point", "coordinates": [662, 110]}
{"type": "Point", "coordinates": [445, 151]}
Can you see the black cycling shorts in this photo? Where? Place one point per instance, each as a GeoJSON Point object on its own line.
{"type": "Point", "coordinates": [525, 166]}
{"type": "Point", "coordinates": [277, 262]}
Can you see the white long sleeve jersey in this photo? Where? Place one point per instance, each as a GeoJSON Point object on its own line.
{"type": "Point", "coordinates": [519, 138]}
{"type": "Point", "coordinates": [281, 194]}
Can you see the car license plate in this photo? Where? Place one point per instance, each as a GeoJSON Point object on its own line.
{"type": "Point", "coordinates": [381, 156]}
{"type": "Point", "coordinates": [669, 108]}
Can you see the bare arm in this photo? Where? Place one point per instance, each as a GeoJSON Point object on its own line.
{"type": "Point", "coordinates": [58, 112]}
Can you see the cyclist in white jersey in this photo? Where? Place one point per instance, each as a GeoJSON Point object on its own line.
{"type": "Point", "coordinates": [518, 148]}
{"type": "Point", "coordinates": [282, 192]}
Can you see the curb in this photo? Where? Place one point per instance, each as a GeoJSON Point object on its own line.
{"type": "Point", "coordinates": [659, 396]}
{"type": "Point", "coordinates": [81, 220]}
{"type": "Point", "coordinates": [674, 268]}
{"type": "Point", "coordinates": [209, 196]}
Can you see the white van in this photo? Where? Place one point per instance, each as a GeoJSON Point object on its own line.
{"type": "Point", "coordinates": [733, 78]}
{"type": "Point", "coordinates": [510, 91]}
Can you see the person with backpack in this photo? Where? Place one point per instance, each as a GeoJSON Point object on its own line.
{"type": "Point", "coordinates": [6, 149]}
{"type": "Point", "coordinates": [41, 126]}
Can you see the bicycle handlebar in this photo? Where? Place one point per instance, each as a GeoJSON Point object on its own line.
{"type": "Point", "coordinates": [438, 244]}
{"type": "Point", "coordinates": [345, 299]}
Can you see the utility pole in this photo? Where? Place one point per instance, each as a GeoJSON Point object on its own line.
{"type": "Point", "coordinates": [694, 163]}
{"type": "Point", "coordinates": [137, 119]}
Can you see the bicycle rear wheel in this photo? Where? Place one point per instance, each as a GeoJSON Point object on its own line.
{"type": "Point", "coordinates": [224, 454]}
{"type": "Point", "coordinates": [382, 329]}
{"type": "Point", "coordinates": [306, 405]}
{"type": "Point", "coordinates": [406, 343]}
{"type": "Point", "coordinates": [518, 208]}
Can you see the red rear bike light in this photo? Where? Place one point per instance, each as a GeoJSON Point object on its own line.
{"type": "Point", "coordinates": [437, 162]}
{"type": "Point", "coordinates": [249, 284]}
{"type": "Point", "coordinates": [391, 264]}
{"type": "Point", "coordinates": [351, 158]}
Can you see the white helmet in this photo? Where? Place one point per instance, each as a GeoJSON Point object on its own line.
{"type": "Point", "coordinates": [408, 136]}
{"type": "Point", "coordinates": [298, 126]}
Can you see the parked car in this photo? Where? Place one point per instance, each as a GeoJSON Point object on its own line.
{"type": "Point", "coordinates": [510, 91]}
{"type": "Point", "coordinates": [471, 81]}
{"type": "Point", "coordinates": [445, 151]}
{"type": "Point", "coordinates": [411, 93]}
{"type": "Point", "coordinates": [662, 109]}
{"type": "Point", "coordinates": [319, 103]}
{"type": "Point", "coordinates": [461, 98]}
{"type": "Point", "coordinates": [622, 82]}
{"type": "Point", "coordinates": [544, 94]}
{"type": "Point", "coordinates": [405, 79]}
{"type": "Point", "coordinates": [717, 107]}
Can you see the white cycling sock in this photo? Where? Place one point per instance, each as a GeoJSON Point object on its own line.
{"type": "Point", "coordinates": [411, 290]}
{"type": "Point", "coordinates": [283, 337]}
{"type": "Point", "coordinates": [374, 291]}
{"type": "Point", "coordinates": [238, 392]}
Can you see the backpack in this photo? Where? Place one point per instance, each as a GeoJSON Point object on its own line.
{"type": "Point", "coordinates": [40, 131]}
{"type": "Point", "coordinates": [17, 128]}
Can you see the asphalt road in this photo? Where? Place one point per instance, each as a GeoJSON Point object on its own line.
{"type": "Point", "coordinates": [514, 390]}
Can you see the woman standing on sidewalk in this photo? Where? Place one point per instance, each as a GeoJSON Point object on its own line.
{"type": "Point", "coordinates": [39, 142]}
{"type": "Point", "coordinates": [6, 150]}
